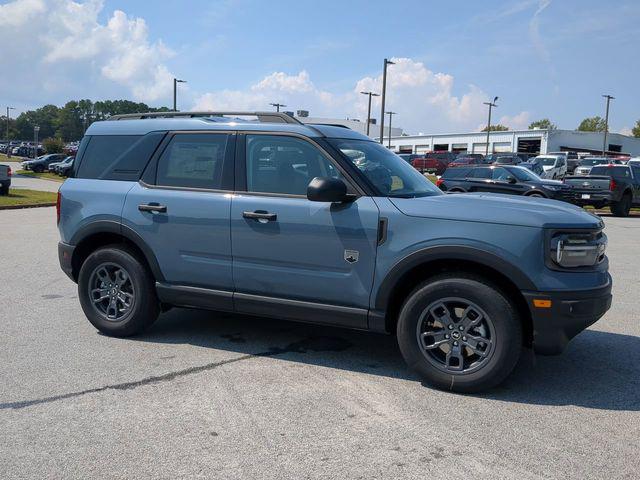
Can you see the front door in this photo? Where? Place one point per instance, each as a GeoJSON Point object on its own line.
{"type": "Point", "coordinates": [288, 249]}
{"type": "Point", "coordinates": [183, 215]}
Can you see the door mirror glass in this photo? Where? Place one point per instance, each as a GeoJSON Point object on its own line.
{"type": "Point", "coordinates": [327, 189]}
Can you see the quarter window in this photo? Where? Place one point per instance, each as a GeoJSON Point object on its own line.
{"type": "Point", "coordinates": [285, 165]}
{"type": "Point", "coordinates": [193, 161]}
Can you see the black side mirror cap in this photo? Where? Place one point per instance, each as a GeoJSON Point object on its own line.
{"type": "Point", "coordinates": [328, 189]}
{"type": "Point", "coordinates": [511, 179]}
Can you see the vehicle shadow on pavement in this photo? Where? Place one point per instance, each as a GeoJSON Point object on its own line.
{"type": "Point", "coordinates": [599, 370]}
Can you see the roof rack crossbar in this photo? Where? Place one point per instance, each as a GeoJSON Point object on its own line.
{"type": "Point", "coordinates": [263, 117]}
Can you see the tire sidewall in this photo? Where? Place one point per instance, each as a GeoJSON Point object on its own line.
{"type": "Point", "coordinates": [507, 326]}
{"type": "Point", "coordinates": [145, 307]}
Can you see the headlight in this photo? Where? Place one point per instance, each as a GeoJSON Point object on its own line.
{"type": "Point", "coordinates": [572, 250]}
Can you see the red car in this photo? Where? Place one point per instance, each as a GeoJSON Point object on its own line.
{"type": "Point", "coordinates": [467, 159]}
{"type": "Point", "coordinates": [434, 162]}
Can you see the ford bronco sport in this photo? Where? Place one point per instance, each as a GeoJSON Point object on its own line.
{"type": "Point", "coordinates": [317, 223]}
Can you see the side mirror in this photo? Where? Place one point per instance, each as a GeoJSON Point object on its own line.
{"type": "Point", "coordinates": [511, 179]}
{"type": "Point", "coordinates": [327, 189]}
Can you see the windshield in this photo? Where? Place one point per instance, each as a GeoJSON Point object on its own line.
{"type": "Point", "coordinates": [387, 172]}
{"type": "Point", "coordinates": [524, 175]}
{"type": "Point", "coordinates": [548, 161]}
{"type": "Point", "coordinates": [589, 162]}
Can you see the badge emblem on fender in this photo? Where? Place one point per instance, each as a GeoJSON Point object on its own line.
{"type": "Point", "coordinates": [351, 256]}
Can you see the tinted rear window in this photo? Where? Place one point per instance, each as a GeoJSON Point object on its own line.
{"type": "Point", "coordinates": [117, 157]}
{"type": "Point", "coordinates": [616, 172]}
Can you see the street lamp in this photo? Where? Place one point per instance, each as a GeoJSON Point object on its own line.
{"type": "Point", "coordinates": [491, 104]}
{"type": "Point", "coordinates": [371, 94]}
{"type": "Point", "coordinates": [606, 124]}
{"type": "Point", "coordinates": [175, 90]}
{"type": "Point", "coordinates": [36, 129]}
{"type": "Point", "coordinates": [8, 142]}
{"type": "Point", "coordinates": [277, 105]}
{"type": "Point", "coordinates": [384, 93]}
{"type": "Point", "coordinates": [391, 114]}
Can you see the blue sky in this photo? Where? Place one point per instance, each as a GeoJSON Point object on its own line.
{"type": "Point", "coordinates": [544, 58]}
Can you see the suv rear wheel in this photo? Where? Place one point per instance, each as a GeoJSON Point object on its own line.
{"type": "Point", "coordinates": [117, 292]}
{"type": "Point", "coordinates": [460, 333]}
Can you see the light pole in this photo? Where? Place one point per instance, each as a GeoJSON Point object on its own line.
{"type": "Point", "coordinates": [606, 124]}
{"type": "Point", "coordinates": [277, 105]}
{"type": "Point", "coordinates": [8, 142]}
{"type": "Point", "coordinates": [371, 94]}
{"type": "Point", "coordinates": [384, 94]}
{"type": "Point", "coordinates": [36, 129]}
{"type": "Point", "coordinates": [175, 92]}
{"type": "Point", "coordinates": [491, 105]}
{"type": "Point", "coordinates": [391, 114]}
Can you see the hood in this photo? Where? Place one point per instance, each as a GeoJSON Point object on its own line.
{"type": "Point", "coordinates": [497, 208]}
{"type": "Point", "coordinates": [553, 183]}
{"type": "Point", "coordinates": [548, 167]}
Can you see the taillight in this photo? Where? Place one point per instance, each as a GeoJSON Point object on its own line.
{"type": "Point", "coordinates": [9, 173]}
{"type": "Point", "coordinates": [612, 184]}
{"type": "Point", "coordinates": [58, 200]}
{"type": "Point", "coordinates": [439, 182]}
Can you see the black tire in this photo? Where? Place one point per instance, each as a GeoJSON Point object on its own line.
{"type": "Point", "coordinates": [536, 195]}
{"type": "Point", "coordinates": [38, 169]}
{"type": "Point", "coordinates": [4, 190]}
{"type": "Point", "coordinates": [457, 190]}
{"type": "Point", "coordinates": [623, 207]}
{"type": "Point", "coordinates": [144, 307]}
{"type": "Point", "coordinates": [502, 352]}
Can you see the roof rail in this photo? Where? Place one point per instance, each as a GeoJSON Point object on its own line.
{"type": "Point", "coordinates": [263, 117]}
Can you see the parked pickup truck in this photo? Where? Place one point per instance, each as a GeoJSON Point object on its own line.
{"type": "Point", "coordinates": [5, 179]}
{"type": "Point", "coordinates": [615, 185]}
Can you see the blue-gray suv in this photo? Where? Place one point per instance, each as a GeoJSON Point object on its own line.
{"type": "Point", "coordinates": [316, 223]}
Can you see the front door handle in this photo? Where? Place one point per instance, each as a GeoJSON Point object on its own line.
{"type": "Point", "coordinates": [152, 207]}
{"type": "Point", "coordinates": [260, 215]}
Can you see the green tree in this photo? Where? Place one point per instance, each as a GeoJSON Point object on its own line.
{"type": "Point", "coordinates": [592, 124]}
{"type": "Point", "coordinates": [13, 131]}
{"type": "Point", "coordinates": [543, 124]}
{"type": "Point", "coordinates": [53, 145]}
{"type": "Point", "coordinates": [496, 128]}
{"type": "Point", "coordinates": [635, 131]}
{"type": "Point", "coordinates": [45, 117]}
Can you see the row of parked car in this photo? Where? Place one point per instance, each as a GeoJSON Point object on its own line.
{"type": "Point", "coordinates": [612, 184]}
{"type": "Point", "coordinates": [59, 163]}
{"type": "Point", "coordinates": [21, 149]}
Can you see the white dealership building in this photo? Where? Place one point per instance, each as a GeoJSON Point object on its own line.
{"type": "Point", "coordinates": [526, 141]}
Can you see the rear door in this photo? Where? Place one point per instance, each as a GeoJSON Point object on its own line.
{"type": "Point", "coordinates": [181, 209]}
{"type": "Point", "coordinates": [291, 255]}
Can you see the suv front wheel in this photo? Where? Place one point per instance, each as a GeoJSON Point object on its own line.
{"type": "Point", "coordinates": [117, 292]}
{"type": "Point", "coordinates": [460, 333]}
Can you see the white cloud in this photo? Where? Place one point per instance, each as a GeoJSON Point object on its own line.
{"type": "Point", "coordinates": [56, 39]}
{"type": "Point", "coordinates": [626, 131]}
{"type": "Point", "coordinates": [516, 122]}
{"type": "Point", "coordinates": [424, 100]}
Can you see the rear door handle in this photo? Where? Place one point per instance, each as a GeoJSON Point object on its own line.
{"type": "Point", "coordinates": [260, 215]}
{"type": "Point", "coordinates": [152, 207]}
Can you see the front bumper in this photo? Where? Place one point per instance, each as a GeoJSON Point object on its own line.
{"type": "Point", "coordinates": [65, 256]}
{"type": "Point", "coordinates": [570, 313]}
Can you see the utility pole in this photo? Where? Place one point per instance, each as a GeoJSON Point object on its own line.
{"type": "Point", "coordinates": [491, 104]}
{"type": "Point", "coordinates": [278, 105]}
{"type": "Point", "coordinates": [606, 124]}
{"type": "Point", "coordinates": [175, 92]}
{"type": "Point", "coordinates": [8, 142]}
{"type": "Point", "coordinates": [371, 94]}
{"type": "Point", "coordinates": [384, 94]}
{"type": "Point", "coordinates": [391, 114]}
{"type": "Point", "coordinates": [36, 129]}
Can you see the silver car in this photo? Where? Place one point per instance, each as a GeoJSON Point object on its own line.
{"type": "Point", "coordinates": [586, 164]}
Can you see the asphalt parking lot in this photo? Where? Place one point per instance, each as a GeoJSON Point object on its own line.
{"type": "Point", "coordinates": [204, 395]}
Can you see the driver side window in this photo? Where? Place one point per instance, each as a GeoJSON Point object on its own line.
{"type": "Point", "coordinates": [284, 165]}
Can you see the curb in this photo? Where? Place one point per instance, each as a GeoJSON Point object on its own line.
{"type": "Point", "coordinates": [33, 205]}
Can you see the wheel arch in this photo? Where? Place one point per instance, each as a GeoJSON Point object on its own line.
{"type": "Point", "coordinates": [534, 192]}
{"type": "Point", "coordinates": [427, 263]}
{"type": "Point", "coordinates": [105, 232]}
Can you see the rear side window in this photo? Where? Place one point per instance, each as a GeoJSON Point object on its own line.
{"type": "Point", "coordinates": [193, 161]}
{"type": "Point", "coordinates": [484, 173]}
{"type": "Point", "coordinates": [102, 152]}
{"type": "Point", "coordinates": [456, 172]}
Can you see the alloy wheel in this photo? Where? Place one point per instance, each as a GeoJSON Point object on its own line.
{"type": "Point", "coordinates": [456, 335]}
{"type": "Point", "coordinates": [111, 291]}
